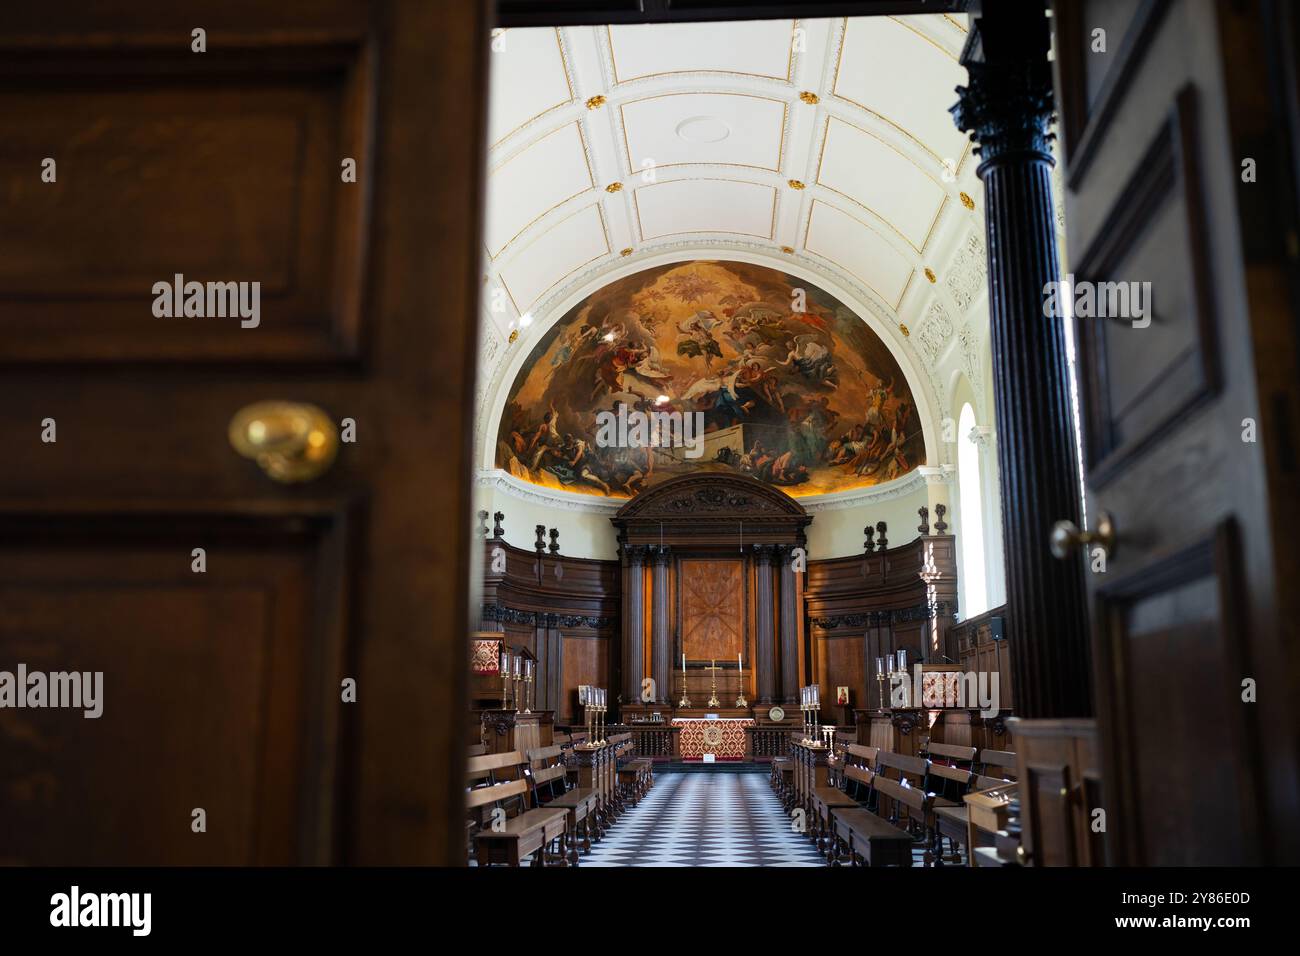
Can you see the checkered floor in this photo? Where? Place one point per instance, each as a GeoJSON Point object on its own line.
{"type": "Point", "coordinates": [705, 819]}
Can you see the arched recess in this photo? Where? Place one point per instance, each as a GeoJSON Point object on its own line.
{"type": "Point", "coordinates": [975, 456]}
{"type": "Point", "coordinates": [877, 317]}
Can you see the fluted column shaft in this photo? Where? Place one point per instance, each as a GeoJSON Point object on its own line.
{"type": "Point", "coordinates": [789, 601]}
{"type": "Point", "coordinates": [660, 649]}
{"type": "Point", "coordinates": [1008, 108]}
{"type": "Point", "coordinates": [764, 629]}
{"type": "Point", "coordinates": [633, 614]}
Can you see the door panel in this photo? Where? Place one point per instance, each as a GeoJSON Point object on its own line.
{"type": "Point", "coordinates": [223, 689]}
{"type": "Point", "coordinates": [227, 164]}
{"type": "Point", "coordinates": [206, 692]}
{"type": "Point", "coordinates": [1185, 605]}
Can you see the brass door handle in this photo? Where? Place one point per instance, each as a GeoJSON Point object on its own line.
{"type": "Point", "coordinates": [1066, 536]}
{"type": "Point", "coordinates": [291, 441]}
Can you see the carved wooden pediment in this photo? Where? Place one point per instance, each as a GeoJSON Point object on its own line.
{"type": "Point", "coordinates": [713, 496]}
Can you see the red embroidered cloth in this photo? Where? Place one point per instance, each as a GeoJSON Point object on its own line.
{"type": "Point", "coordinates": [724, 737]}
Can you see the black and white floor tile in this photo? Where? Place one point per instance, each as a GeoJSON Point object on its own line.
{"type": "Point", "coordinates": [705, 819]}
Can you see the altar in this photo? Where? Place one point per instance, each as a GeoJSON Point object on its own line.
{"type": "Point", "coordinates": [723, 737]}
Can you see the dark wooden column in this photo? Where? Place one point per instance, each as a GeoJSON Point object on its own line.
{"type": "Point", "coordinates": [764, 625]}
{"type": "Point", "coordinates": [789, 598]}
{"type": "Point", "coordinates": [1007, 107]}
{"type": "Point", "coordinates": [633, 614]}
{"type": "Point", "coordinates": [661, 650]}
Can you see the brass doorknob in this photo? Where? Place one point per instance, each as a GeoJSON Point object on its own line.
{"type": "Point", "coordinates": [1066, 536]}
{"type": "Point", "coordinates": [291, 441]}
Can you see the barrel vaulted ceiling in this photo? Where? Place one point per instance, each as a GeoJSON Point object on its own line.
{"type": "Point", "coordinates": [823, 147]}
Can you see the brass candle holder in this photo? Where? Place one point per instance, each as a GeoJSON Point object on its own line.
{"type": "Point", "coordinates": [713, 686]}
{"type": "Point", "coordinates": [685, 701]}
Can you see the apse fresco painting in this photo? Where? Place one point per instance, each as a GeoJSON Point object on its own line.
{"type": "Point", "coordinates": [786, 383]}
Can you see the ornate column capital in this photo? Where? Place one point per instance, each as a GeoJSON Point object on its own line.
{"type": "Point", "coordinates": [1007, 105]}
{"type": "Point", "coordinates": [1008, 110]}
{"type": "Point", "coordinates": [983, 436]}
{"type": "Point", "coordinates": [661, 554]}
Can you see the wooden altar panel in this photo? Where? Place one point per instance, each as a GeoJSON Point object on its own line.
{"type": "Point", "coordinates": [712, 611]}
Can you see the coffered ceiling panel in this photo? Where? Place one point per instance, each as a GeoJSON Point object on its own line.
{"type": "Point", "coordinates": [706, 205]}
{"type": "Point", "coordinates": [893, 69]}
{"type": "Point", "coordinates": [755, 48]}
{"type": "Point", "coordinates": [819, 141]}
{"type": "Point", "coordinates": [566, 247]}
{"type": "Point", "coordinates": [549, 172]}
{"type": "Point", "coordinates": [528, 78]}
{"type": "Point", "coordinates": [864, 168]}
{"type": "Point", "coordinates": [674, 129]}
{"type": "Point", "coordinates": [860, 250]}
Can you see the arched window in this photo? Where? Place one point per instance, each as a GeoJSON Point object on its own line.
{"type": "Point", "coordinates": [974, 589]}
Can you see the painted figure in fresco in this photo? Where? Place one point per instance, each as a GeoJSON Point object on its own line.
{"type": "Point", "coordinates": [699, 341]}
{"type": "Point", "coordinates": [616, 361]}
{"type": "Point", "coordinates": [544, 441]}
{"type": "Point", "coordinates": [816, 394]}
{"type": "Point", "coordinates": [812, 359]}
{"type": "Point", "coordinates": [573, 342]}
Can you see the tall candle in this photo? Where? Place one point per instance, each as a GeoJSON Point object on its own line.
{"type": "Point", "coordinates": [683, 662]}
{"type": "Point", "coordinates": [739, 665]}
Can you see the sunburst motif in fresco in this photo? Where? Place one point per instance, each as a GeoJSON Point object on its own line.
{"type": "Point", "coordinates": [793, 388]}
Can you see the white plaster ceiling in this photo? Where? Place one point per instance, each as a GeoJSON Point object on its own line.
{"type": "Point", "coordinates": [823, 144]}
{"type": "Point", "coordinates": [610, 139]}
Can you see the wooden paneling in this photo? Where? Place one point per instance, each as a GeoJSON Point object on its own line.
{"type": "Point", "coordinates": [1174, 624]}
{"type": "Point", "coordinates": [842, 665]}
{"type": "Point", "coordinates": [586, 661]}
{"type": "Point", "coordinates": [210, 692]}
{"type": "Point", "coordinates": [1058, 766]}
{"type": "Point", "coordinates": [901, 598]}
{"type": "Point", "coordinates": [210, 164]}
{"type": "Point", "coordinates": [158, 142]}
{"type": "Point", "coordinates": [1138, 378]}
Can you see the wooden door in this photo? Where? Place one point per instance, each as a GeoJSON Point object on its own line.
{"type": "Point", "coordinates": [223, 687]}
{"type": "Point", "coordinates": [1187, 607]}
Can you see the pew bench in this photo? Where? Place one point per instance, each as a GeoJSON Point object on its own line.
{"type": "Point", "coordinates": [952, 755]}
{"type": "Point", "coordinates": [824, 801]}
{"type": "Point", "coordinates": [860, 838]}
{"type": "Point", "coordinates": [580, 803]}
{"type": "Point", "coordinates": [529, 833]}
{"type": "Point", "coordinates": [997, 763]}
{"type": "Point", "coordinates": [913, 805]}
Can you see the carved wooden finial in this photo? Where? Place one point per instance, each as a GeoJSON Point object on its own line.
{"type": "Point", "coordinates": [869, 532]}
{"type": "Point", "coordinates": [497, 518]}
{"type": "Point", "coordinates": [555, 541]}
{"type": "Point", "coordinates": [939, 512]}
{"type": "Point", "coordinates": [881, 543]}
{"type": "Point", "coordinates": [482, 524]}
{"type": "Point", "coordinates": [540, 545]}
{"type": "Point", "coordinates": [924, 526]}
